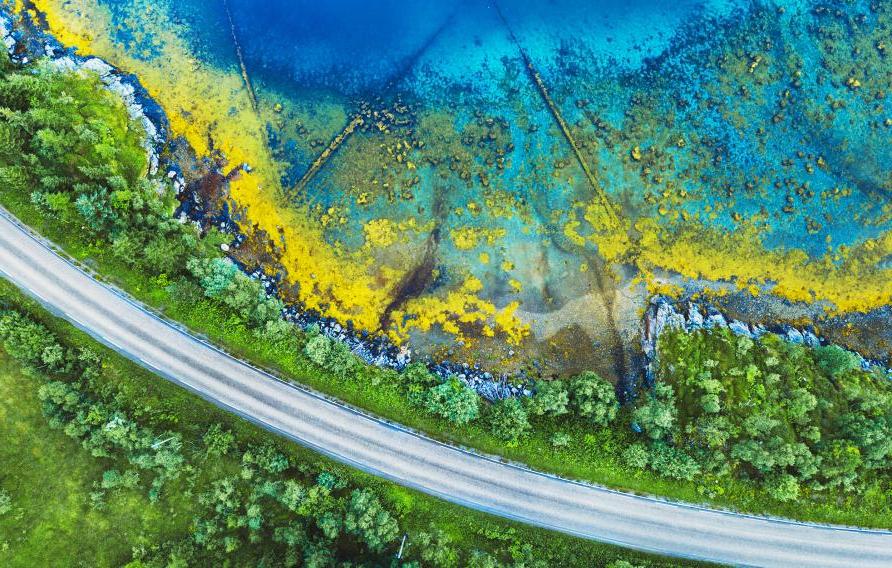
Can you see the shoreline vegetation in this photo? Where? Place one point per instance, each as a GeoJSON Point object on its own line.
{"type": "Point", "coordinates": [163, 478]}
{"type": "Point", "coordinates": [74, 171]}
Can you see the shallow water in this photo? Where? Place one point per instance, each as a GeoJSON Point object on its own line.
{"type": "Point", "coordinates": [721, 139]}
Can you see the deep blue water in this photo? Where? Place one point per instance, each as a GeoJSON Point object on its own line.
{"type": "Point", "coordinates": [620, 59]}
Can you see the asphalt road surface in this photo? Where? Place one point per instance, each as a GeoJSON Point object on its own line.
{"type": "Point", "coordinates": [409, 459]}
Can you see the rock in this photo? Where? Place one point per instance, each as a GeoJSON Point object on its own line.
{"type": "Point", "coordinates": [793, 335]}
{"type": "Point", "coordinates": [98, 66]}
{"type": "Point", "coordinates": [740, 328]}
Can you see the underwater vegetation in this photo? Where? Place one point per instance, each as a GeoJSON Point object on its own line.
{"type": "Point", "coordinates": [505, 182]}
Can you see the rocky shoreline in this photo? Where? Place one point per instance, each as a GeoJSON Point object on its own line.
{"type": "Point", "coordinates": [27, 41]}
{"type": "Point", "coordinates": [663, 314]}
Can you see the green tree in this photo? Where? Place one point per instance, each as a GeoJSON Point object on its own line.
{"type": "Point", "coordinates": [656, 413]}
{"type": "Point", "coordinates": [551, 399]}
{"type": "Point", "coordinates": [508, 420]}
{"type": "Point", "coordinates": [454, 401]}
{"type": "Point", "coordinates": [783, 487]}
{"type": "Point", "coordinates": [371, 522]}
{"type": "Point", "coordinates": [594, 398]}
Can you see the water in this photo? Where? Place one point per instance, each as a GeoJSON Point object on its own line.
{"type": "Point", "coordinates": [463, 200]}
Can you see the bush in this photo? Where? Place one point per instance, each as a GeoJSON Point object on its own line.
{"type": "Point", "coordinates": [672, 462]}
{"type": "Point", "coordinates": [656, 414]}
{"type": "Point", "coordinates": [454, 401]}
{"type": "Point", "coordinates": [332, 356]}
{"type": "Point", "coordinates": [217, 441]}
{"type": "Point", "coordinates": [508, 420]}
{"type": "Point", "coordinates": [560, 440]}
{"type": "Point", "coordinates": [594, 398]}
{"type": "Point", "coordinates": [636, 456]}
{"type": "Point", "coordinates": [551, 399]}
{"type": "Point", "coordinates": [5, 502]}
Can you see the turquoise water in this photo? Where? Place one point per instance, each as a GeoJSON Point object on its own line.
{"type": "Point", "coordinates": [460, 56]}
{"type": "Point", "coordinates": [496, 127]}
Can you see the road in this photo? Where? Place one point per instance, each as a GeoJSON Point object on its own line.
{"type": "Point", "coordinates": [404, 457]}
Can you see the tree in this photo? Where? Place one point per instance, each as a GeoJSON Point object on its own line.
{"type": "Point", "coordinates": [508, 420]}
{"type": "Point", "coordinates": [367, 519]}
{"type": "Point", "coordinates": [454, 401]}
{"type": "Point", "coordinates": [834, 360]}
{"type": "Point", "coordinates": [594, 398]}
{"type": "Point", "coordinates": [31, 344]}
{"type": "Point", "coordinates": [656, 414]}
{"type": "Point", "coordinates": [551, 399]}
{"type": "Point", "coordinates": [783, 487]}
{"type": "Point", "coordinates": [435, 549]}
{"type": "Point", "coordinates": [217, 441]}
{"type": "Point", "coordinates": [672, 462]}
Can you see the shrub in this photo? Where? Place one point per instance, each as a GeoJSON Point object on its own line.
{"type": "Point", "coordinates": [508, 420]}
{"type": "Point", "coordinates": [5, 502]}
{"type": "Point", "coordinates": [594, 398]}
{"type": "Point", "coordinates": [551, 399]}
{"type": "Point", "coordinates": [217, 441]}
{"type": "Point", "coordinates": [560, 440]}
{"type": "Point", "coordinates": [783, 487]}
{"type": "Point", "coordinates": [417, 379]}
{"type": "Point", "coordinates": [636, 456]}
{"type": "Point", "coordinates": [454, 401]}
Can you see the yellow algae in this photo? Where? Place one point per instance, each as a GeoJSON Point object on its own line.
{"type": "Point", "coordinates": [484, 258]}
{"type": "Point", "coordinates": [853, 285]}
{"type": "Point", "coordinates": [467, 238]}
{"type": "Point", "coordinates": [384, 232]}
{"type": "Point", "coordinates": [380, 232]}
{"type": "Point", "coordinates": [571, 231]}
{"type": "Point", "coordinates": [213, 111]}
{"type": "Point", "coordinates": [516, 286]}
{"type": "Point", "coordinates": [456, 313]}
{"type": "Point", "coordinates": [610, 233]}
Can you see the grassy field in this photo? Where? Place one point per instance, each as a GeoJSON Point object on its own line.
{"type": "Point", "coordinates": [594, 454]}
{"type": "Point", "coordinates": [50, 476]}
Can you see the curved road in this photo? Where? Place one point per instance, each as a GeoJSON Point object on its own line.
{"type": "Point", "coordinates": [412, 460]}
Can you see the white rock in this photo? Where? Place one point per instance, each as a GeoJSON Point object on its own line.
{"type": "Point", "coordinates": [98, 66]}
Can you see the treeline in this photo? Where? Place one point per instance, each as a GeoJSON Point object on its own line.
{"type": "Point", "coordinates": [791, 418]}
{"type": "Point", "coordinates": [69, 144]}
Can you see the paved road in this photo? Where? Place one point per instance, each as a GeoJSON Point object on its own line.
{"type": "Point", "coordinates": [415, 461]}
